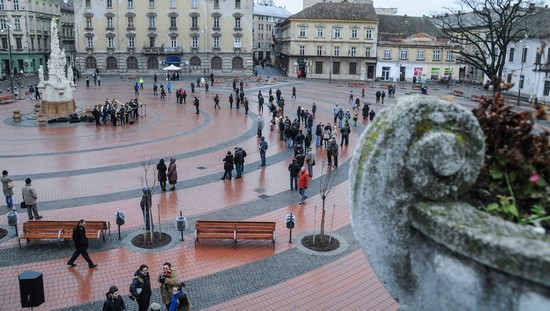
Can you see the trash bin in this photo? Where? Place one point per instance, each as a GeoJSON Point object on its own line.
{"type": "Point", "coordinates": [12, 218]}
{"type": "Point", "coordinates": [181, 224]}
{"type": "Point", "coordinates": [120, 218]}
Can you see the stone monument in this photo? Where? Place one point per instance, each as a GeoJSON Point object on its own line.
{"type": "Point", "coordinates": [430, 249]}
{"type": "Point", "coordinates": [58, 91]}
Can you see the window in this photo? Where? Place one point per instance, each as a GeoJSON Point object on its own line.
{"type": "Point", "coordinates": [151, 4]}
{"type": "Point", "coordinates": [237, 4]}
{"type": "Point", "coordinates": [320, 32]}
{"type": "Point", "coordinates": [216, 63]}
{"type": "Point", "coordinates": [521, 81]}
{"type": "Point", "coordinates": [132, 63]}
{"type": "Point", "coordinates": [173, 3]}
{"type": "Point", "coordinates": [152, 22]}
{"type": "Point", "coordinates": [173, 22]}
{"type": "Point", "coordinates": [91, 62]}
{"type": "Point", "coordinates": [16, 5]}
{"type": "Point", "coordinates": [302, 50]}
{"type": "Point", "coordinates": [319, 51]}
{"type": "Point", "coordinates": [546, 90]}
{"type": "Point", "coordinates": [152, 63]}
{"type": "Point", "coordinates": [130, 22]}
{"type": "Point", "coordinates": [337, 33]}
{"type": "Point", "coordinates": [404, 54]}
{"type": "Point", "coordinates": [511, 57]}
{"type": "Point", "coordinates": [524, 56]}
{"type": "Point", "coordinates": [336, 68]}
{"type": "Point", "coordinates": [302, 32]}
{"type": "Point", "coordinates": [173, 43]}
{"type": "Point", "coordinates": [216, 42]}
{"type": "Point", "coordinates": [237, 22]}
{"type": "Point", "coordinates": [110, 22]}
{"type": "Point", "coordinates": [88, 4]}
{"type": "Point", "coordinates": [130, 4]}
{"type": "Point", "coordinates": [32, 43]}
{"type": "Point", "coordinates": [152, 42]}
{"type": "Point", "coordinates": [194, 22]}
{"type": "Point", "coordinates": [538, 58]}
{"type": "Point", "coordinates": [237, 43]}
{"type": "Point", "coordinates": [237, 63]}
{"type": "Point", "coordinates": [90, 42]}
{"type": "Point", "coordinates": [353, 51]}
{"type": "Point", "coordinates": [217, 6]}
{"type": "Point", "coordinates": [194, 4]}
{"type": "Point", "coordinates": [450, 56]}
{"type": "Point", "coordinates": [369, 34]}
{"type": "Point", "coordinates": [353, 68]}
{"type": "Point", "coordinates": [109, 3]}
{"type": "Point", "coordinates": [216, 22]}
{"type": "Point", "coordinates": [367, 52]}
{"type": "Point", "coordinates": [509, 78]}
{"type": "Point", "coordinates": [17, 23]}
{"type": "Point", "coordinates": [89, 22]}
{"type": "Point", "coordinates": [387, 53]}
{"type": "Point", "coordinates": [131, 42]}
{"type": "Point", "coordinates": [110, 42]}
{"type": "Point", "coordinates": [18, 43]}
{"type": "Point", "coordinates": [318, 67]}
{"type": "Point", "coordinates": [437, 55]}
{"type": "Point", "coordinates": [195, 62]}
{"type": "Point", "coordinates": [336, 51]}
{"type": "Point", "coordinates": [420, 54]}
{"type": "Point", "coordinates": [354, 33]}
{"type": "Point", "coordinates": [2, 5]}
{"type": "Point", "coordinates": [195, 42]}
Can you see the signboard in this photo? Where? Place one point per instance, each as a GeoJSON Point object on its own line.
{"type": "Point", "coordinates": [173, 60]}
{"type": "Point", "coordinates": [418, 71]}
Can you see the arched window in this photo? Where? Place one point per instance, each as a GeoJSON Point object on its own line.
{"type": "Point", "coordinates": [91, 63]}
{"type": "Point", "coordinates": [216, 63]}
{"type": "Point", "coordinates": [237, 63]}
{"type": "Point", "coordinates": [152, 63]}
{"type": "Point", "coordinates": [132, 63]}
{"type": "Point", "coordinates": [111, 63]}
{"type": "Point", "coordinates": [195, 63]}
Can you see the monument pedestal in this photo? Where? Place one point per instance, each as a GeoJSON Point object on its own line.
{"type": "Point", "coordinates": [58, 108]}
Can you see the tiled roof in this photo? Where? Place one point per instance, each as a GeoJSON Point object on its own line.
{"type": "Point", "coordinates": [398, 27]}
{"type": "Point", "coordinates": [338, 11]}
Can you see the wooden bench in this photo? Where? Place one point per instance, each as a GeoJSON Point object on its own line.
{"type": "Point", "coordinates": [416, 86]}
{"type": "Point", "coordinates": [235, 230]}
{"type": "Point", "coordinates": [7, 99]}
{"type": "Point", "coordinates": [457, 93]}
{"type": "Point", "coordinates": [62, 229]}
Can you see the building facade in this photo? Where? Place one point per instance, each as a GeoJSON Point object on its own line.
{"type": "Point", "coordinates": [331, 41]}
{"type": "Point", "coordinates": [266, 16]}
{"type": "Point", "coordinates": [413, 47]}
{"type": "Point", "coordinates": [67, 31]}
{"type": "Point", "coordinates": [201, 36]}
{"type": "Point", "coordinates": [28, 26]}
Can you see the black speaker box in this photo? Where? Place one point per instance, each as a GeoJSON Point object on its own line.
{"type": "Point", "coordinates": [31, 288]}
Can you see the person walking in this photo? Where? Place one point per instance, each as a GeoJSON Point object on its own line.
{"type": "Point", "coordinates": [303, 181]}
{"type": "Point", "coordinates": [141, 82]}
{"type": "Point", "coordinates": [161, 169]}
{"type": "Point", "coordinates": [196, 103]}
{"type": "Point", "coordinates": [333, 147]}
{"type": "Point", "coordinates": [245, 105]}
{"type": "Point", "coordinates": [261, 125]}
{"type": "Point", "coordinates": [228, 166]}
{"type": "Point", "coordinates": [140, 289]}
{"type": "Point", "coordinates": [382, 96]}
{"type": "Point", "coordinates": [294, 169]}
{"type": "Point", "coordinates": [114, 301]}
{"type": "Point", "coordinates": [240, 154]}
{"type": "Point", "coordinates": [98, 80]}
{"type": "Point", "coordinates": [172, 174]}
{"type": "Point", "coordinates": [168, 280]}
{"type": "Point", "coordinates": [345, 130]}
{"type": "Point", "coordinates": [7, 187]}
{"type": "Point", "coordinates": [179, 300]}
{"type": "Point", "coordinates": [217, 102]}
{"type": "Point", "coordinates": [136, 87]}
{"type": "Point", "coordinates": [146, 204]}
{"type": "Point", "coordinates": [293, 92]}
{"type": "Point", "coordinates": [263, 148]}
{"type": "Point", "coordinates": [80, 244]}
{"type": "Point", "coordinates": [310, 161]}
{"type": "Point", "coordinates": [231, 101]}
{"type": "Point", "coordinates": [30, 197]}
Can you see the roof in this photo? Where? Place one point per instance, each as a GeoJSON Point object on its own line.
{"type": "Point", "coordinates": [69, 6]}
{"type": "Point", "coordinates": [338, 11]}
{"type": "Point", "coordinates": [272, 11]}
{"type": "Point", "coordinates": [398, 27]}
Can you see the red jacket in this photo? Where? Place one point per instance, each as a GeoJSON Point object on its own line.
{"type": "Point", "coordinates": [303, 180]}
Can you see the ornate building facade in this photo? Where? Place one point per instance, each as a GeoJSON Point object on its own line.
{"type": "Point", "coordinates": [129, 36]}
{"type": "Point", "coordinates": [266, 17]}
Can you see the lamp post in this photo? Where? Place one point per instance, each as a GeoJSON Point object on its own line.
{"type": "Point", "coordinates": [9, 56]}
{"type": "Point", "coordinates": [521, 79]}
{"type": "Point", "coordinates": [330, 67]}
{"type": "Point", "coordinates": [205, 31]}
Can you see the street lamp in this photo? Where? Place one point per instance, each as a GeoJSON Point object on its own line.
{"type": "Point", "coordinates": [330, 68]}
{"type": "Point", "coordinates": [205, 31]}
{"type": "Point", "coordinates": [9, 55]}
{"type": "Point", "coordinates": [521, 79]}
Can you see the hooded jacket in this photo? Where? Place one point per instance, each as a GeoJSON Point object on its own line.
{"type": "Point", "coordinates": [113, 304]}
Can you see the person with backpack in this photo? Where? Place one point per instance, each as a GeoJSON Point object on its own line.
{"type": "Point", "coordinates": [263, 148]}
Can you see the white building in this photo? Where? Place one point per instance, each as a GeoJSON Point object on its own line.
{"type": "Point", "coordinates": [266, 16]}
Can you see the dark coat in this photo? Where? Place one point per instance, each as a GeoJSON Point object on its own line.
{"type": "Point", "coordinates": [228, 165]}
{"type": "Point", "coordinates": [116, 304]}
{"type": "Point", "coordinates": [141, 281]}
{"type": "Point", "coordinates": [79, 238]}
{"type": "Point", "coordinates": [161, 168]}
{"type": "Point", "coordinates": [294, 168]}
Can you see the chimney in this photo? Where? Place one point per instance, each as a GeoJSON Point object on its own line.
{"type": "Point", "coordinates": [405, 19]}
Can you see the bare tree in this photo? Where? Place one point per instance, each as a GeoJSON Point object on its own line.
{"type": "Point", "coordinates": [484, 29]}
{"type": "Point", "coordinates": [326, 182]}
{"type": "Point", "coordinates": [147, 199]}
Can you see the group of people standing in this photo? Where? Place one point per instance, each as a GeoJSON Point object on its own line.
{"type": "Point", "coordinates": [117, 113]}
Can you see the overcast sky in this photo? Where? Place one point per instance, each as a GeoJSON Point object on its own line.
{"type": "Point", "coordinates": [409, 7]}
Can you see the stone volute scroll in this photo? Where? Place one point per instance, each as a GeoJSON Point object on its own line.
{"type": "Point", "coordinates": [433, 251]}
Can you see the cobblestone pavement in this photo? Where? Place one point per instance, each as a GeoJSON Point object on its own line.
{"type": "Point", "coordinates": [84, 171]}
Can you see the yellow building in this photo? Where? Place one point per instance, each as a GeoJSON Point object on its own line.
{"type": "Point", "coordinates": [330, 41]}
{"type": "Point", "coordinates": [129, 36]}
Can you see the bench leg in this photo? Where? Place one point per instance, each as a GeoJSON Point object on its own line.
{"type": "Point", "coordinates": [19, 241]}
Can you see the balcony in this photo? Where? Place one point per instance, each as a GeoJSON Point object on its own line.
{"type": "Point", "coordinates": [109, 28]}
{"type": "Point", "coordinates": [130, 28]}
{"type": "Point", "coordinates": [237, 28]}
{"type": "Point", "coordinates": [173, 28]}
{"type": "Point", "coordinates": [163, 50]}
{"type": "Point", "coordinates": [151, 28]}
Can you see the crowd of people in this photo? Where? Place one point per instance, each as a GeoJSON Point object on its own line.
{"type": "Point", "coordinates": [116, 113]}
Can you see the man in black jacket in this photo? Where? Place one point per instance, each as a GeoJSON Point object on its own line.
{"type": "Point", "coordinates": [294, 169]}
{"type": "Point", "coordinates": [140, 289]}
{"type": "Point", "coordinates": [80, 244]}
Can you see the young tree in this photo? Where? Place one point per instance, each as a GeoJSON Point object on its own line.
{"type": "Point", "coordinates": [147, 199]}
{"type": "Point", "coordinates": [326, 182]}
{"type": "Point", "coordinates": [484, 29]}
